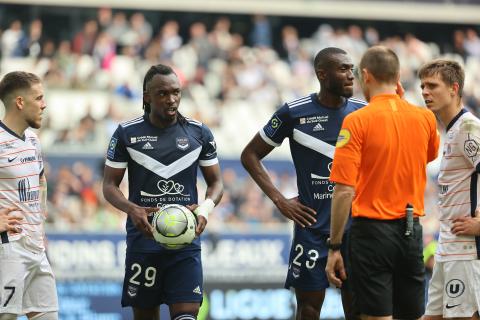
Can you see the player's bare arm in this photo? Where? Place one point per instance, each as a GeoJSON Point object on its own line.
{"type": "Point", "coordinates": [213, 178]}
{"type": "Point", "coordinates": [251, 158]}
{"type": "Point", "coordinates": [112, 193]}
{"type": "Point", "coordinates": [341, 204]}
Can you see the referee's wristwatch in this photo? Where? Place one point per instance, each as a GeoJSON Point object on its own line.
{"type": "Point", "coordinates": [333, 246]}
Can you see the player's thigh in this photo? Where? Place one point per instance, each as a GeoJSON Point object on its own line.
{"type": "Point", "coordinates": [146, 313]}
{"type": "Point", "coordinates": [461, 289]}
{"type": "Point", "coordinates": [13, 270]}
{"type": "Point", "coordinates": [409, 277]}
{"type": "Point", "coordinates": [183, 280]}
{"type": "Point", "coordinates": [309, 303]}
{"type": "Point", "coordinates": [40, 288]}
{"type": "Point", "coordinates": [143, 282]}
{"type": "Point", "coordinates": [435, 291]}
{"type": "Point", "coordinates": [307, 261]}
{"type": "Point", "coordinates": [372, 258]}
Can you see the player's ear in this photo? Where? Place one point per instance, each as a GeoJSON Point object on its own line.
{"type": "Point", "coordinates": [321, 74]}
{"type": "Point", "coordinates": [454, 89]}
{"type": "Point", "coordinates": [19, 102]}
{"type": "Point", "coordinates": [365, 76]}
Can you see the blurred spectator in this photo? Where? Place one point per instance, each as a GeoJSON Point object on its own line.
{"type": "Point", "coordinates": [84, 41]}
{"type": "Point", "coordinates": [11, 40]}
{"type": "Point", "coordinates": [261, 35]}
{"type": "Point", "coordinates": [170, 40]}
{"type": "Point", "coordinates": [31, 45]}
{"type": "Point", "coordinates": [118, 29]}
{"type": "Point", "coordinates": [104, 18]}
{"type": "Point", "coordinates": [472, 43]}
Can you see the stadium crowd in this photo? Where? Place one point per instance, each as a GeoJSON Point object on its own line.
{"type": "Point", "coordinates": [231, 80]}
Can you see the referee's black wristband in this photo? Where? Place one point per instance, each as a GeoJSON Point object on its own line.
{"type": "Point", "coordinates": [333, 246]}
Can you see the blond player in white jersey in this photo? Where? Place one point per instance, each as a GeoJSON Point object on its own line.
{"type": "Point", "coordinates": [454, 290]}
{"type": "Point", "coordinates": [27, 283]}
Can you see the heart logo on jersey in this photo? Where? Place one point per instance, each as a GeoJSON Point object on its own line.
{"type": "Point", "coordinates": [182, 143]}
{"type": "Point", "coordinates": [167, 187]}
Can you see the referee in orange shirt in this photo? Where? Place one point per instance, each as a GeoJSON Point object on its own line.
{"type": "Point", "coordinates": [379, 167]}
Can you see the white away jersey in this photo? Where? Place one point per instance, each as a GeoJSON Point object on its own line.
{"type": "Point", "coordinates": [458, 183]}
{"type": "Point", "coordinates": [21, 166]}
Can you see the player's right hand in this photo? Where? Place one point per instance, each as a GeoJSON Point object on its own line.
{"type": "Point", "coordinates": [296, 211]}
{"type": "Point", "coordinates": [140, 221]}
{"type": "Point", "coordinates": [8, 222]}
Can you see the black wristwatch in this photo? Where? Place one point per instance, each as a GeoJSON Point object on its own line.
{"type": "Point", "coordinates": [333, 246]}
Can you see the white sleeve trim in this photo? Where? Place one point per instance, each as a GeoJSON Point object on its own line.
{"type": "Point", "coordinates": [208, 163]}
{"type": "Point", "coordinates": [116, 165]}
{"type": "Point", "coordinates": [268, 140]}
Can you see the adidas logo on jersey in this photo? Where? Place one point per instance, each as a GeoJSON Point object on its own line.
{"type": "Point", "coordinates": [197, 290]}
{"type": "Point", "coordinates": [318, 127]}
{"type": "Point", "coordinates": [147, 146]}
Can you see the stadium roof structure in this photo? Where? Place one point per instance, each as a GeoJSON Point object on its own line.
{"type": "Point", "coordinates": [432, 11]}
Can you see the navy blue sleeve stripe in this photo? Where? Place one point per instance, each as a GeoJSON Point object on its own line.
{"type": "Point", "coordinates": [4, 237]}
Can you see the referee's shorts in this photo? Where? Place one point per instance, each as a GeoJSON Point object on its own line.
{"type": "Point", "coordinates": [387, 269]}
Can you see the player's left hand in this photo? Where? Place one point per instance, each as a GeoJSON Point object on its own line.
{"type": "Point", "coordinates": [335, 269]}
{"type": "Point", "coordinates": [201, 221]}
{"type": "Point", "coordinates": [466, 226]}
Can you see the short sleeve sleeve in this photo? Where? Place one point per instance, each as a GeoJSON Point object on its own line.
{"type": "Point", "coordinates": [208, 155]}
{"type": "Point", "coordinates": [278, 127]}
{"type": "Point", "coordinates": [348, 152]}
{"type": "Point", "coordinates": [469, 139]}
{"type": "Point", "coordinates": [117, 154]}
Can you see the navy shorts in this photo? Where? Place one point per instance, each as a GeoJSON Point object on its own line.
{"type": "Point", "coordinates": [308, 259]}
{"type": "Point", "coordinates": [166, 277]}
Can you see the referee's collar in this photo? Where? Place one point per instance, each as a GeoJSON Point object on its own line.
{"type": "Point", "coordinates": [450, 125]}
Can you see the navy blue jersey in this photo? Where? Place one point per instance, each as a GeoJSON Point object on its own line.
{"type": "Point", "coordinates": [312, 130]}
{"type": "Point", "coordinates": [162, 167]}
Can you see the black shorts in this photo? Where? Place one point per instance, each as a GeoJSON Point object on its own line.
{"type": "Point", "coordinates": [387, 269]}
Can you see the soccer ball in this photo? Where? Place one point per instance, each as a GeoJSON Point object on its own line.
{"type": "Point", "coordinates": [174, 226]}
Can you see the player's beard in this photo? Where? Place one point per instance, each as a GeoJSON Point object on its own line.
{"type": "Point", "coordinates": [339, 89]}
{"type": "Point", "coordinates": [34, 124]}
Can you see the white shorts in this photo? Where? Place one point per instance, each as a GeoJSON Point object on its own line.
{"type": "Point", "coordinates": [454, 290]}
{"type": "Point", "coordinates": [27, 283]}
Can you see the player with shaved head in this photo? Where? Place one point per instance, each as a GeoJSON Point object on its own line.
{"type": "Point", "coordinates": [311, 123]}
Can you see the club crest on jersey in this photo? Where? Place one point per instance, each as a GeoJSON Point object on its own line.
{"type": "Point", "coordinates": [273, 126]}
{"type": "Point", "coordinates": [182, 143]}
{"type": "Point", "coordinates": [343, 138]}
{"type": "Point", "coordinates": [111, 147]}
{"type": "Point", "coordinates": [132, 291]}
{"type": "Point", "coordinates": [471, 148]}
{"type": "Point", "coordinates": [296, 272]}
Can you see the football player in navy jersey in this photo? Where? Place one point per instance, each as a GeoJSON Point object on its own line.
{"type": "Point", "coordinates": [162, 151]}
{"type": "Point", "coordinates": [312, 124]}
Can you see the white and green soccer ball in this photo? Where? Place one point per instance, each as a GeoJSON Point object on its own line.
{"type": "Point", "coordinates": [174, 226]}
